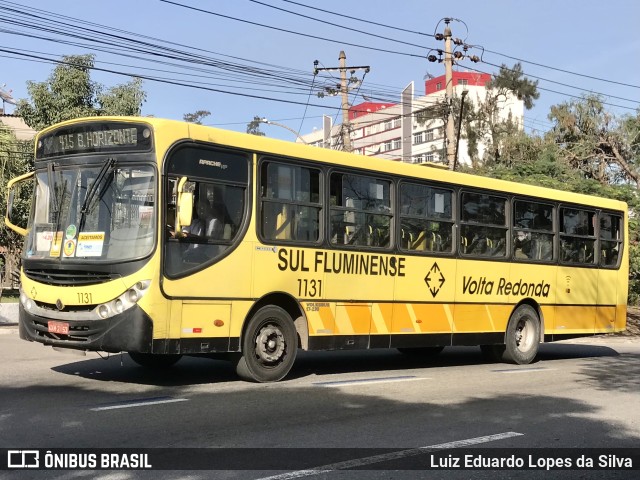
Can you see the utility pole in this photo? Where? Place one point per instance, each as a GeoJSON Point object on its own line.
{"type": "Point", "coordinates": [344, 91]}
{"type": "Point", "coordinates": [448, 77]}
{"type": "Point", "coordinates": [450, 58]}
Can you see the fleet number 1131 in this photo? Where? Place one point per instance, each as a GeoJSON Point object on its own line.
{"type": "Point", "coordinates": [309, 288]}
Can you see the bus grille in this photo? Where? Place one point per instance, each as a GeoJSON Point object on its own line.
{"type": "Point", "coordinates": [69, 277]}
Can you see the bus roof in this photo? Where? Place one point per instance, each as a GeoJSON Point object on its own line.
{"type": "Point", "coordinates": [262, 144]}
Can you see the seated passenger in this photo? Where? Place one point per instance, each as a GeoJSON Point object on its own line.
{"type": "Point", "coordinates": [206, 223]}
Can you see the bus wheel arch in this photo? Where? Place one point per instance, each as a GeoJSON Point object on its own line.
{"type": "Point", "coordinates": [288, 304]}
{"type": "Point", "coordinates": [270, 339]}
{"type": "Point", "coordinates": [524, 333]}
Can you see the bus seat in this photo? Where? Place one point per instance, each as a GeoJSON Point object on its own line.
{"type": "Point", "coordinates": [283, 224]}
{"type": "Point", "coordinates": [404, 242]}
{"type": "Point", "coordinates": [420, 243]}
{"type": "Point", "coordinates": [464, 244]}
{"type": "Point", "coordinates": [227, 232]}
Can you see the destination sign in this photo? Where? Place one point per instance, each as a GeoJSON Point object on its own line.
{"type": "Point", "coordinates": [95, 138]}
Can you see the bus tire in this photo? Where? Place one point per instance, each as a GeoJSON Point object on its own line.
{"type": "Point", "coordinates": [522, 338]}
{"type": "Point", "coordinates": [420, 351]}
{"type": "Point", "coordinates": [269, 346]}
{"type": "Point", "coordinates": [153, 360]}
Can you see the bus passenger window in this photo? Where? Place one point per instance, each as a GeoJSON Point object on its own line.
{"type": "Point", "coordinates": [290, 203]}
{"type": "Point", "coordinates": [483, 226]}
{"type": "Point", "coordinates": [426, 220]}
{"type": "Point", "coordinates": [577, 236]}
{"type": "Point", "coordinates": [610, 239]}
{"type": "Point", "coordinates": [534, 236]}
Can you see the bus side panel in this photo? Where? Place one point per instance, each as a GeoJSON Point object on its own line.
{"type": "Point", "coordinates": [482, 308]}
{"type": "Point", "coordinates": [423, 308]}
{"type": "Point", "coordinates": [607, 301]}
{"type": "Point", "coordinates": [576, 292]}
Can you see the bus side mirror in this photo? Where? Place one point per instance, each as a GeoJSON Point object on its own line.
{"type": "Point", "coordinates": [13, 215]}
{"type": "Point", "coordinates": [184, 213]}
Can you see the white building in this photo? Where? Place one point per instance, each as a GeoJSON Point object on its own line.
{"type": "Point", "coordinates": [381, 129]}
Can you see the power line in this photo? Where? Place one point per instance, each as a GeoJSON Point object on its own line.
{"type": "Point", "coordinates": [560, 83]}
{"type": "Point", "coordinates": [559, 69]}
{"type": "Point", "coordinates": [316, 37]}
{"type": "Point", "coordinates": [475, 46]}
{"type": "Point", "coordinates": [338, 25]}
{"type": "Point", "coordinates": [359, 19]}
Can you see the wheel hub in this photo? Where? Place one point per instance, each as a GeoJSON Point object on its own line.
{"type": "Point", "coordinates": [270, 344]}
{"type": "Point", "coordinates": [523, 336]}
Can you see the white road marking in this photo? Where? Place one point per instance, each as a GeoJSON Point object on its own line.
{"type": "Point", "coordinates": [359, 462]}
{"type": "Point", "coordinates": [368, 381]}
{"type": "Point", "coordinates": [140, 403]}
{"type": "Point", "coordinates": [524, 370]}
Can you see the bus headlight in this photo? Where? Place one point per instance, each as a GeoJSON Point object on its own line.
{"type": "Point", "coordinates": [119, 306]}
{"type": "Point", "coordinates": [28, 304]}
{"type": "Point", "coordinates": [125, 301]}
{"type": "Point", "coordinates": [103, 311]}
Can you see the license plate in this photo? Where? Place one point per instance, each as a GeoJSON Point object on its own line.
{"type": "Point", "coordinates": [59, 327]}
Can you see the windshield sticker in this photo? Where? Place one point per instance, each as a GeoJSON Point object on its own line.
{"type": "Point", "coordinates": [44, 237]}
{"type": "Point", "coordinates": [71, 231]}
{"type": "Point", "coordinates": [69, 247]}
{"type": "Point", "coordinates": [90, 244]}
{"type": "Point", "coordinates": [56, 245]}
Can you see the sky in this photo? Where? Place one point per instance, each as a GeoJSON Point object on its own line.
{"type": "Point", "coordinates": [255, 58]}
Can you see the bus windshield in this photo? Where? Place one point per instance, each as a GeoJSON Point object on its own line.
{"type": "Point", "coordinates": [92, 213]}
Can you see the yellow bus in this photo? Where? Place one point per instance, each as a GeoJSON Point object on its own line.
{"type": "Point", "coordinates": [162, 238]}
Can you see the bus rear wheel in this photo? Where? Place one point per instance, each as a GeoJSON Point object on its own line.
{"type": "Point", "coordinates": [522, 338]}
{"type": "Point", "coordinates": [153, 360]}
{"type": "Point", "coordinates": [269, 346]}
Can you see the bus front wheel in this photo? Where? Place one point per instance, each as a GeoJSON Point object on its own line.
{"type": "Point", "coordinates": [152, 360]}
{"type": "Point", "coordinates": [523, 336]}
{"type": "Point", "coordinates": [269, 346]}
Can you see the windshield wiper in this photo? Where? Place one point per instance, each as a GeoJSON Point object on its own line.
{"type": "Point", "coordinates": [93, 189]}
{"type": "Point", "coordinates": [55, 208]}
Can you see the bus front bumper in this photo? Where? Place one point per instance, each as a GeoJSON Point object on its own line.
{"type": "Point", "coordinates": [130, 331]}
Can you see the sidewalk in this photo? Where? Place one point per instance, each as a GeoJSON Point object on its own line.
{"type": "Point", "coordinates": [8, 314]}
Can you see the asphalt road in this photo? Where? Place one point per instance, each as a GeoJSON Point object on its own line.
{"type": "Point", "coordinates": [578, 395]}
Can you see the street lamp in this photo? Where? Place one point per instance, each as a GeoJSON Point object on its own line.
{"type": "Point", "coordinates": [270, 122]}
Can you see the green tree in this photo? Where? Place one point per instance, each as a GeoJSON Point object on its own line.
{"type": "Point", "coordinates": [196, 117]}
{"type": "Point", "coordinates": [16, 158]}
{"type": "Point", "coordinates": [597, 143]}
{"type": "Point", "coordinates": [70, 93]}
{"type": "Point", "coordinates": [253, 127]}
{"type": "Point", "coordinates": [513, 80]}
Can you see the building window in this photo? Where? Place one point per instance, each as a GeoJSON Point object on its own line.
{"type": "Point", "coordinates": [388, 125]}
{"type": "Point", "coordinates": [463, 81]}
{"type": "Point", "coordinates": [397, 143]}
{"type": "Point", "coordinates": [418, 138]}
{"type": "Point", "coordinates": [439, 86]}
{"type": "Point", "coordinates": [429, 135]}
{"type": "Point", "coordinates": [396, 122]}
{"type": "Point", "coordinates": [386, 146]}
